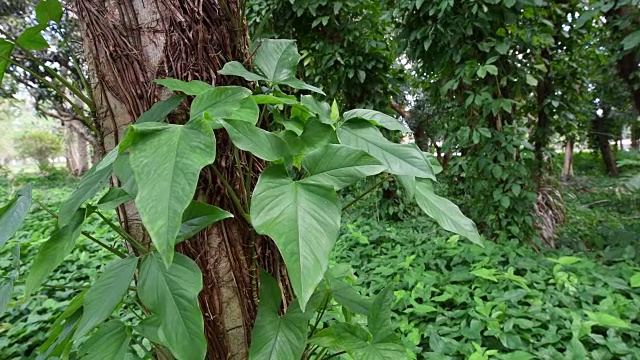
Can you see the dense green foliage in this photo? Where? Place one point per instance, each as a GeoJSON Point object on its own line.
{"type": "Point", "coordinates": [41, 146]}
{"type": "Point", "coordinates": [510, 301]}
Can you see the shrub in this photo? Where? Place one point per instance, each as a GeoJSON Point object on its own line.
{"type": "Point", "coordinates": [41, 146]}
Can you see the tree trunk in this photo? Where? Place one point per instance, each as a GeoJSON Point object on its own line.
{"type": "Point", "coordinates": [128, 44]}
{"type": "Point", "coordinates": [77, 154]}
{"type": "Point", "coordinates": [602, 140]}
{"type": "Point", "coordinates": [635, 134]}
{"type": "Point", "coordinates": [567, 169]}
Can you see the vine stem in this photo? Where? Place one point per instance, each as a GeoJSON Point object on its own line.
{"type": "Point", "coordinates": [125, 235]}
{"type": "Point", "coordinates": [232, 194]}
{"type": "Point", "coordinates": [335, 355]}
{"type": "Point", "coordinates": [359, 197]}
{"type": "Point", "coordinates": [111, 249]}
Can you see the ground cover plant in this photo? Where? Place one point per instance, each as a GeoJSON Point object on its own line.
{"type": "Point", "coordinates": [454, 300]}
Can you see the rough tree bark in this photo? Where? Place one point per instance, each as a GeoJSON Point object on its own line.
{"type": "Point", "coordinates": [128, 43]}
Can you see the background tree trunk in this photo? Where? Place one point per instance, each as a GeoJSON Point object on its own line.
{"type": "Point", "coordinates": [76, 153]}
{"type": "Point", "coordinates": [602, 137]}
{"type": "Point", "coordinates": [128, 44]}
{"type": "Point", "coordinates": [567, 169]}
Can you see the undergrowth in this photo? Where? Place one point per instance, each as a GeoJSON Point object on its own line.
{"type": "Point", "coordinates": [456, 300]}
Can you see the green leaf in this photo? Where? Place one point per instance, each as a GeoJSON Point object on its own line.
{"type": "Point", "coordinates": [6, 290]}
{"type": "Point", "coordinates": [299, 84]}
{"type": "Point", "coordinates": [172, 295]}
{"type": "Point", "coordinates": [314, 135]}
{"type": "Point", "coordinates": [304, 221]}
{"type": "Point", "coordinates": [357, 342]}
{"type": "Point", "coordinates": [339, 166]}
{"type": "Point", "coordinates": [234, 68]}
{"type": "Point", "coordinates": [276, 59]}
{"type": "Point", "coordinates": [346, 295]}
{"type": "Point", "coordinates": [122, 170]}
{"type": "Point", "coordinates": [408, 183]}
{"type": "Point", "coordinates": [335, 113]}
{"type": "Point", "coordinates": [114, 198]}
{"type": "Point", "coordinates": [261, 143]}
{"type": "Point", "coordinates": [32, 39]}
{"type": "Point", "coordinates": [379, 318]}
{"type": "Point", "coordinates": [59, 338]}
{"type": "Point", "coordinates": [53, 251]}
{"type": "Point", "coordinates": [489, 274]}
{"type": "Point", "coordinates": [277, 337]}
{"type": "Point", "coordinates": [105, 294]}
{"type": "Point", "coordinates": [198, 216]}
{"type": "Point", "coordinates": [110, 342]}
{"type": "Point", "coordinates": [150, 328]}
{"type": "Point", "coordinates": [88, 187]}
{"type": "Point", "coordinates": [446, 213]}
{"type": "Point", "coordinates": [218, 103]}
{"type": "Point", "coordinates": [566, 260]}
{"type": "Point", "coordinates": [160, 110]}
{"type": "Point", "coordinates": [13, 214]}
{"type": "Point", "coordinates": [361, 75]}
{"type": "Point", "coordinates": [193, 88]}
{"type": "Point", "coordinates": [607, 320]}
{"type": "Point", "coordinates": [320, 108]}
{"type": "Point", "coordinates": [5, 54]}
{"type": "Point", "coordinates": [166, 163]}
{"type": "Point", "coordinates": [635, 280]}
{"type": "Point", "coordinates": [376, 118]}
{"type": "Point", "coordinates": [400, 159]}
{"type": "Point", "coordinates": [531, 80]}
{"type": "Point", "coordinates": [49, 10]}
{"type": "Point", "coordinates": [631, 41]}
{"type": "Point", "coordinates": [247, 112]}
{"type": "Point", "coordinates": [491, 69]}
{"type": "Point", "coordinates": [272, 100]}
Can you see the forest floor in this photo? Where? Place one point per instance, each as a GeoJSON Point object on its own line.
{"type": "Point", "coordinates": [454, 299]}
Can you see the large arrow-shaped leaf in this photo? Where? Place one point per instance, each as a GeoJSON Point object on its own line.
{"type": "Point", "coordinates": [276, 337]}
{"type": "Point", "coordinates": [376, 118]}
{"type": "Point", "coordinates": [303, 219]}
{"type": "Point", "coordinates": [340, 166]}
{"type": "Point", "coordinates": [53, 251]}
{"type": "Point", "coordinates": [219, 102]}
{"type": "Point", "coordinates": [12, 215]}
{"type": "Point", "coordinates": [172, 295]}
{"type": "Point", "coordinates": [446, 213]}
{"type": "Point", "coordinates": [400, 159]}
{"type": "Point", "coordinates": [166, 162]}
{"type": "Point", "coordinates": [261, 143]}
{"type": "Point", "coordinates": [110, 342]}
{"type": "Point", "coordinates": [90, 184]}
{"type": "Point", "coordinates": [105, 294]}
{"type": "Point", "coordinates": [277, 59]}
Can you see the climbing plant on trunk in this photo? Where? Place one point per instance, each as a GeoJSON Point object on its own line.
{"type": "Point", "coordinates": [207, 197]}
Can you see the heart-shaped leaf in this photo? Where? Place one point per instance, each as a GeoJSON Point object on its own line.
{"type": "Point", "coordinates": [377, 118]}
{"type": "Point", "coordinates": [303, 219]}
{"type": "Point", "coordinates": [172, 295]}
{"type": "Point", "coordinates": [166, 161]}
{"type": "Point", "coordinates": [263, 144]}
{"type": "Point", "coordinates": [340, 166]}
